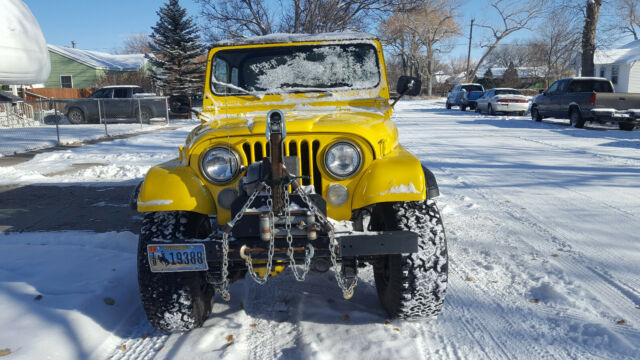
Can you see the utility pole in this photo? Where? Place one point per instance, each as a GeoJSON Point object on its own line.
{"type": "Point", "coordinates": [469, 52]}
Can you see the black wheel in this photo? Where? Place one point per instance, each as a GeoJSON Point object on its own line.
{"type": "Point", "coordinates": [575, 119]}
{"type": "Point", "coordinates": [412, 287]}
{"type": "Point", "coordinates": [626, 126]}
{"type": "Point", "coordinates": [448, 106]}
{"type": "Point", "coordinates": [178, 301]}
{"type": "Point", "coordinates": [490, 109]}
{"type": "Point", "coordinates": [463, 108]}
{"type": "Point", "coordinates": [145, 115]}
{"type": "Point", "coordinates": [535, 115]}
{"type": "Point", "coordinates": [76, 116]}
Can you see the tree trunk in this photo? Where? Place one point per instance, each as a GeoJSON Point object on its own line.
{"type": "Point", "coordinates": [589, 36]}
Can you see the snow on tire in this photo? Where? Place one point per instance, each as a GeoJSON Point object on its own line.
{"type": "Point", "coordinates": [412, 287]}
{"type": "Point", "coordinates": [173, 302]}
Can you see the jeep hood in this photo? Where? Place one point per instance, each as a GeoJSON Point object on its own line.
{"type": "Point", "coordinates": [371, 124]}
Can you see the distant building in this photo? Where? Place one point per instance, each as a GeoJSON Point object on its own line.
{"type": "Point", "coordinates": [527, 75]}
{"type": "Point", "coordinates": [76, 68]}
{"type": "Point", "coordinates": [621, 66]}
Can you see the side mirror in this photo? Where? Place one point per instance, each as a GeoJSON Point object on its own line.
{"type": "Point", "coordinates": [541, 91]}
{"type": "Point", "coordinates": [409, 85]}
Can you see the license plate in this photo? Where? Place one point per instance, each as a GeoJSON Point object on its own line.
{"type": "Point", "coordinates": [177, 257]}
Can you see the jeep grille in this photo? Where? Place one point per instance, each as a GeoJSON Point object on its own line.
{"type": "Point", "coordinates": [306, 151]}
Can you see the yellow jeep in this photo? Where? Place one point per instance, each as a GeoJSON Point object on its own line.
{"type": "Point", "coordinates": [296, 164]}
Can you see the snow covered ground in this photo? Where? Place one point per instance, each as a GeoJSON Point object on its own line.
{"type": "Point", "coordinates": [543, 227]}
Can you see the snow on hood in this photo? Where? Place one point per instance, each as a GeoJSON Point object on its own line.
{"type": "Point", "coordinates": [100, 60]}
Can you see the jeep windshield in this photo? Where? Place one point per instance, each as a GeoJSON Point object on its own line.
{"type": "Point", "coordinates": [301, 68]}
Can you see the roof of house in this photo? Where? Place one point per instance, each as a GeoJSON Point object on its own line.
{"type": "Point", "coordinates": [100, 60]}
{"type": "Point", "coordinates": [498, 72]}
{"type": "Point", "coordinates": [626, 54]}
{"type": "Point", "coordinates": [279, 38]}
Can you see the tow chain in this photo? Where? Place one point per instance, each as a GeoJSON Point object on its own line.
{"type": "Point", "coordinates": [346, 285]}
{"type": "Point", "coordinates": [223, 288]}
{"type": "Point", "coordinates": [308, 253]}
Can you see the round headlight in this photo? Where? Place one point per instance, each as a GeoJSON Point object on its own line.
{"type": "Point", "coordinates": [220, 165]}
{"type": "Point", "coordinates": [342, 159]}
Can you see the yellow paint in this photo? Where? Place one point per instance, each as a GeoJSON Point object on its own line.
{"type": "Point", "coordinates": [360, 116]}
{"type": "Point", "coordinates": [381, 181]}
{"type": "Point", "coordinates": [171, 186]}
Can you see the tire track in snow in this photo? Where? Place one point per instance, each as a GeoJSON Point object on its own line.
{"type": "Point", "coordinates": [578, 266]}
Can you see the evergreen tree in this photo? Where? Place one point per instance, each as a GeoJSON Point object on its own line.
{"type": "Point", "coordinates": [176, 48]}
{"type": "Point", "coordinates": [487, 80]}
{"type": "Point", "coordinates": [510, 77]}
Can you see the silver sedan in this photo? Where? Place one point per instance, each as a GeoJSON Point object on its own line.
{"type": "Point", "coordinates": [502, 100]}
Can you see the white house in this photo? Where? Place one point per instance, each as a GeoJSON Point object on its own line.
{"type": "Point", "coordinates": [621, 66]}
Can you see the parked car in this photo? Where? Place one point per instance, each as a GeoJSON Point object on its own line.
{"type": "Point", "coordinates": [464, 96]}
{"type": "Point", "coordinates": [583, 99]}
{"type": "Point", "coordinates": [504, 100]}
{"type": "Point", "coordinates": [119, 102]}
{"type": "Point", "coordinates": [279, 155]}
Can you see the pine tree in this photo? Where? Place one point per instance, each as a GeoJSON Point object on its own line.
{"type": "Point", "coordinates": [510, 77]}
{"type": "Point", "coordinates": [176, 48]}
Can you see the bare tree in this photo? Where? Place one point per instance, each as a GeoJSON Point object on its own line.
{"type": "Point", "coordinates": [556, 43]}
{"type": "Point", "coordinates": [517, 53]}
{"type": "Point", "coordinates": [135, 44]}
{"type": "Point", "coordinates": [513, 16]}
{"type": "Point", "coordinates": [238, 18]}
{"type": "Point", "coordinates": [589, 36]}
{"type": "Point", "coordinates": [419, 35]}
{"type": "Point", "coordinates": [627, 15]}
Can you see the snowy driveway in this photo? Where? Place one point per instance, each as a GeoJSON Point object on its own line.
{"type": "Point", "coordinates": [543, 224]}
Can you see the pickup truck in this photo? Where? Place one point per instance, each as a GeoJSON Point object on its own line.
{"type": "Point", "coordinates": [116, 102]}
{"type": "Point", "coordinates": [583, 99]}
{"type": "Point", "coordinates": [465, 96]}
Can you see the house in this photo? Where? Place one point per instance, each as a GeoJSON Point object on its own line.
{"type": "Point", "coordinates": [621, 66]}
{"type": "Point", "coordinates": [76, 68]}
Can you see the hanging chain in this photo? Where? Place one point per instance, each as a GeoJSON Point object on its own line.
{"type": "Point", "coordinates": [308, 253]}
{"type": "Point", "coordinates": [249, 262]}
{"type": "Point", "coordinates": [346, 285]}
{"type": "Point", "coordinates": [223, 288]}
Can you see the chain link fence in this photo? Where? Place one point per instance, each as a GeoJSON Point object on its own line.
{"type": "Point", "coordinates": [32, 125]}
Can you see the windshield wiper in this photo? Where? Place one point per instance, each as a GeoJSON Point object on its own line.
{"type": "Point", "coordinates": [310, 90]}
{"type": "Point", "coordinates": [237, 88]}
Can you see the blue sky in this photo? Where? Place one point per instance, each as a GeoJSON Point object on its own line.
{"type": "Point", "coordinates": [103, 25]}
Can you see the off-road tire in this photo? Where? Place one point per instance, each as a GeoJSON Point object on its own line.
{"type": "Point", "coordinates": [412, 287]}
{"type": "Point", "coordinates": [575, 119]}
{"type": "Point", "coordinates": [535, 115]}
{"type": "Point", "coordinates": [173, 302]}
{"type": "Point", "coordinates": [76, 116]}
{"type": "Point", "coordinates": [626, 126]}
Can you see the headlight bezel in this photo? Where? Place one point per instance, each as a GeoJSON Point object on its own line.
{"type": "Point", "coordinates": [357, 168]}
{"type": "Point", "coordinates": [235, 156]}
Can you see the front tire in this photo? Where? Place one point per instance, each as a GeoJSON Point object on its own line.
{"type": "Point", "coordinates": [76, 116]}
{"type": "Point", "coordinates": [145, 115]}
{"type": "Point", "coordinates": [448, 106]}
{"type": "Point", "coordinates": [535, 115]}
{"type": "Point", "coordinates": [463, 108]}
{"type": "Point", "coordinates": [173, 302]}
{"type": "Point", "coordinates": [490, 110]}
{"type": "Point", "coordinates": [413, 287]}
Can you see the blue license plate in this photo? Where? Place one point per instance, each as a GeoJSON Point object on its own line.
{"type": "Point", "coordinates": [177, 257]}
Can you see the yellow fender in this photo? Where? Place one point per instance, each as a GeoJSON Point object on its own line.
{"type": "Point", "coordinates": [397, 176]}
{"type": "Point", "coordinates": [172, 186]}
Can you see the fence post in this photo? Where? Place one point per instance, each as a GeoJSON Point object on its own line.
{"type": "Point", "coordinates": [106, 132]}
{"type": "Point", "coordinates": [140, 114]}
{"type": "Point", "coordinates": [55, 109]}
{"type": "Point", "coordinates": [166, 107]}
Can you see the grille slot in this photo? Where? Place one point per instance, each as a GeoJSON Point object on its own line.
{"type": "Point", "coordinates": [306, 152]}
